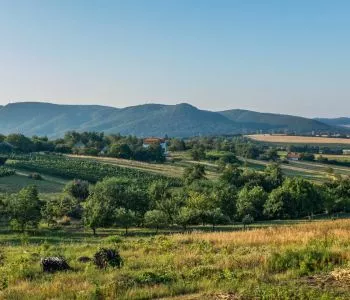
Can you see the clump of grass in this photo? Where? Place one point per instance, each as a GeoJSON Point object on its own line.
{"type": "Point", "coordinates": [304, 261]}
{"type": "Point", "coordinates": [155, 277]}
{"type": "Point", "coordinates": [104, 258]}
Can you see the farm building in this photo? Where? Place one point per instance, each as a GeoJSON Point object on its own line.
{"type": "Point", "coordinates": [293, 156]}
{"type": "Point", "coordinates": [152, 140]}
{"type": "Point", "coordinates": [346, 151]}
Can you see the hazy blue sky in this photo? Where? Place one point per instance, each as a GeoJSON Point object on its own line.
{"type": "Point", "coordinates": [284, 56]}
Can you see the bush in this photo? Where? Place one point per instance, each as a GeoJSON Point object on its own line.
{"type": "Point", "coordinates": [107, 257]}
{"type": "Point", "coordinates": [65, 221]}
{"type": "Point", "coordinates": [6, 172]}
{"type": "Point", "coordinates": [154, 278]}
{"type": "Point", "coordinates": [305, 261]}
{"type": "Point", "coordinates": [54, 264]}
{"type": "Point", "coordinates": [3, 159]}
{"type": "Point", "coordinates": [35, 176]}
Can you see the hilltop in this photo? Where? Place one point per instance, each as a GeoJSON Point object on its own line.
{"type": "Point", "coordinates": [181, 120]}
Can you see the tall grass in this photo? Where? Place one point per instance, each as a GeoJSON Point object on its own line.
{"type": "Point", "coordinates": [266, 263]}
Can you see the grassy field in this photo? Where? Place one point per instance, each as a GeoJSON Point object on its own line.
{"type": "Point", "coordinates": [174, 167]}
{"type": "Point", "coordinates": [12, 184]}
{"type": "Point", "coordinates": [303, 261]}
{"type": "Point", "coordinates": [298, 139]}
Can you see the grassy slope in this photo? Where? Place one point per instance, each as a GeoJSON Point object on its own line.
{"type": "Point", "coordinates": [182, 159]}
{"type": "Point", "coordinates": [13, 184]}
{"type": "Point", "coordinates": [244, 264]}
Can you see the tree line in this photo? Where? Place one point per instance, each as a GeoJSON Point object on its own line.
{"type": "Point", "coordinates": [85, 143]}
{"type": "Point", "coordinates": [240, 195]}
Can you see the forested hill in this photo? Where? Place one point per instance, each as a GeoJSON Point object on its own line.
{"type": "Point", "coordinates": [182, 120]}
{"type": "Point", "coordinates": [265, 121]}
{"type": "Point", "coordinates": [336, 121]}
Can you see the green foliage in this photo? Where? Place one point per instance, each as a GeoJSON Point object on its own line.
{"type": "Point", "coordinates": [79, 189]}
{"type": "Point", "coordinates": [305, 261]}
{"type": "Point", "coordinates": [250, 201]}
{"type": "Point", "coordinates": [337, 195]}
{"type": "Point", "coordinates": [247, 219]}
{"type": "Point", "coordinates": [91, 171]}
{"type": "Point", "coordinates": [198, 153]}
{"type": "Point", "coordinates": [20, 142]}
{"type": "Point", "coordinates": [6, 172]}
{"type": "Point", "coordinates": [35, 176]}
{"type": "Point", "coordinates": [104, 258]}
{"type": "Point", "coordinates": [125, 218]}
{"type": "Point", "coordinates": [120, 150]}
{"type": "Point", "coordinates": [194, 172]}
{"type": "Point", "coordinates": [3, 160]}
{"type": "Point", "coordinates": [25, 208]}
{"type": "Point", "coordinates": [156, 219]}
{"type": "Point", "coordinates": [57, 207]}
{"type": "Point", "coordinates": [186, 216]}
{"type": "Point", "coordinates": [232, 175]}
{"type": "Point", "coordinates": [152, 278]}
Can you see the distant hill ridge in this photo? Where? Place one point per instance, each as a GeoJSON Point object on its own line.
{"type": "Point", "coordinates": [181, 120]}
{"type": "Point", "coordinates": [343, 121]}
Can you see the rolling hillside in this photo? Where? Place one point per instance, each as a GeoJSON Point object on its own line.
{"type": "Point", "coordinates": [345, 122]}
{"type": "Point", "coordinates": [181, 120]}
{"type": "Point", "coordinates": [268, 121]}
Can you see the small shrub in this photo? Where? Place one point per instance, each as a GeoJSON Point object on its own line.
{"type": "Point", "coordinates": [35, 176]}
{"type": "Point", "coordinates": [151, 278]}
{"type": "Point", "coordinates": [54, 264]}
{"type": "Point", "coordinates": [4, 283]}
{"type": "Point", "coordinates": [248, 219]}
{"type": "Point", "coordinates": [304, 261]}
{"type": "Point", "coordinates": [6, 172]}
{"type": "Point", "coordinates": [2, 258]}
{"type": "Point", "coordinates": [84, 259]}
{"type": "Point", "coordinates": [65, 221]}
{"type": "Point", "coordinates": [104, 258]}
{"type": "Point", "coordinates": [113, 239]}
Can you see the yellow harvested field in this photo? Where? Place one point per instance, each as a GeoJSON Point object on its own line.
{"type": "Point", "coordinates": [297, 139]}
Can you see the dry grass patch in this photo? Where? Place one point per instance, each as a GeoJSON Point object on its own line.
{"type": "Point", "coordinates": [297, 139]}
{"type": "Point", "coordinates": [300, 234]}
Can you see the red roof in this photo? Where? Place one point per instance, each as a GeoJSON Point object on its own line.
{"type": "Point", "coordinates": [293, 155]}
{"type": "Point", "coordinates": [153, 140]}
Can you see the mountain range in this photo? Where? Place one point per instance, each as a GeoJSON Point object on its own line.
{"type": "Point", "coordinates": [181, 120]}
{"type": "Point", "coordinates": [344, 122]}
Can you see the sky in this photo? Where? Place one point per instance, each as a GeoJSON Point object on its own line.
{"type": "Point", "coordinates": [283, 56]}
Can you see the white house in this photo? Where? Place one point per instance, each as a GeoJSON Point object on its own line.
{"type": "Point", "coordinates": [346, 151]}
{"type": "Point", "coordinates": [293, 156]}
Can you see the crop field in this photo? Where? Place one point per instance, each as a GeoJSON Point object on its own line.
{"type": "Point", "coordinates": [261, 263]}
{"type": "Point", "coordinates": [174, 167]}
{"type": "Point", "coordinates": [286, 139]}
{"type": "Point", "coordinates": [341, 158]}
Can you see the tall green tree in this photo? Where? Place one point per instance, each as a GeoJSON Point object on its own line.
{"type": "Point", "coordinates": [107, 195]}
{"type": "Point", "coordinates": [194, 172]}
{"type": "Point", "coordinates": [79, 189]}
{"type": "Point", "coordinates": [125, 218]}
{"type": "Point", "coordinates": [156, 219]}
{"type": "Point", "coordinates": [250, 201]}
{"type": "Point", "coordinates": [25, 208]}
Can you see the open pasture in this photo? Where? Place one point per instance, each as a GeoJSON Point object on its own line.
{"type": "Point", "coordinates": [260, 263]}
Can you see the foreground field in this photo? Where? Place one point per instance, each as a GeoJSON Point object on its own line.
{"type": "Point", "coordinates": [286, 139]}
{"type": "Point", "coordinates": [305, 261]}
